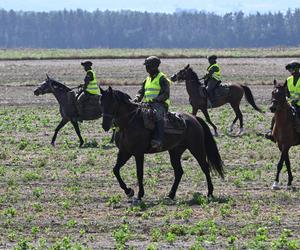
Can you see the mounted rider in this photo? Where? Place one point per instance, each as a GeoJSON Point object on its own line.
{"type": "Point", "coordinates": [156, 92]}
{"type": "Point", "coordinates": [292, 84]}
{"type": "Point", "coordinates": [213, 77]}
{"type": "Point", "coordinates": [90, 87]}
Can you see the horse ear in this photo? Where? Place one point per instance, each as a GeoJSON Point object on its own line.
{"type": "Point", "coordinates": [47, 76]}
{"type": "Point", "coordinates": [110, 90]}
{"type": "Point", "coordinates": [275, 82]}
{"type": "Point", "coordinates": [187, 66]}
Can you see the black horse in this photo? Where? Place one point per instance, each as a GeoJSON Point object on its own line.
{"type": "Point", "coordinates": [133, 139]}
{"type": "Point", "coordinates": [198, 98]}
{"type": "Point", "coordinates": [67, 105]}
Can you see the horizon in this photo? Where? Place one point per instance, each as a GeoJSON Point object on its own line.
{"type": "Point", "coordinates": [220, 7]}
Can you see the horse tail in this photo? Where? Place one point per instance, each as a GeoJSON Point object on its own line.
{"type": "Point", "coordinates": [213, 155]}
{"type": "Point", "coordinates": [250, 98]}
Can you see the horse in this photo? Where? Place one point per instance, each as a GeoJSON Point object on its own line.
{"type": "Point", "coordinates": [67, 106]}
{"type": "Point", "coordinates": [133, 139]}
{"type": "Point", "coordinates": [198, 99]}
{"type": "Point", "coordinates": [284, 131]}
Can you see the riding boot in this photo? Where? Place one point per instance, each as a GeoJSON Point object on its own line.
{"type": "Point", "coordinates": [158, 137]}
{"type": "Point", "coordinates": [209, 100]}
{"type": "Point", "coordinates": [268, 135]}
{"type": "Point", "coordinates": [79, 111]}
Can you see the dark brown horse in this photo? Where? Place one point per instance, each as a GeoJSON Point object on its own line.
{"type": "Point", "coordinates": [67, 108]}
{"type": "Point", "coordinates": [198, 99]}
{"type": "Point", "coordinates": [284, 131]}
{"type": "Point", "coordinates": [133, 139]}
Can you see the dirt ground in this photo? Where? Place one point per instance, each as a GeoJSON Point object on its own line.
{"type": "Point", "coordinates": [48, 194]}
{"type": "Point", "coordinates": [20, 78]}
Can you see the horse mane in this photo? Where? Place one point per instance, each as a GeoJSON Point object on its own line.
{"type": "Point", "coordinates": [193, 75]}
{"type": "Point", "coordinates": [60, 85]}
{"type": "Point", "coordinates": [121, 96]}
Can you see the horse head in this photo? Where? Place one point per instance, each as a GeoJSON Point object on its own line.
{"type": "Point", "coordinates": [278, 97]}
{"type": "Point", "coordinates": [50, 86]}
{"type": "Point", "coordinates": [45, 87]}
{"type": "Point", "coordinates": [111, 101]}
{"type": "Point", "coordinates": [181, 75]}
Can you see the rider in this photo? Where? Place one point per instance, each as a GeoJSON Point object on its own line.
{"type": "Point", "coordinates": [90, 86]}
{"type": "Point", "coordinates": [292, 84]}
{"type": "Point", "coordinates": [155, 91]}
{"type": "Point", "coordinates": [293, 88]}
{"type": "Point", "coordinates": [213, 77]}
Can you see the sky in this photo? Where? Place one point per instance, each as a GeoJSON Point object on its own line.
{"type": "Point", "coordinates": [169, 6]}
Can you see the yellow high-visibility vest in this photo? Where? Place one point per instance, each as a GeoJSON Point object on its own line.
{"type": "Point", "coordinates": [217, 74]}
{"type": "Point", "coordinates": [294, 89]}
{"type": "Point", "coordinates": [152, 88]}
{"type": "Point", "coordinates": [93, 87]}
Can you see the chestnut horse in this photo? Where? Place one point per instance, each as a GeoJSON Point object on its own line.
{"type": "Point", "coordinates": [284, 131]}
{"type": "Point", "coordinates": [199, 101]}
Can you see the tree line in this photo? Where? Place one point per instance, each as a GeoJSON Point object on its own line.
{"type": "Point", "coordinates": [132, 29]}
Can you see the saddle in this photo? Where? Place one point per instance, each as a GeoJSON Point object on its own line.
{"type": "Point", "coordinates": [90, 110]}
{"type": "Point", "coordinates": [173, 122]}
{"type": "Point", "coordinates": [220, 91]}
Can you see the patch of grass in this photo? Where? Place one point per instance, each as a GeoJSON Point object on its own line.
{"type": "Point", "coordinates": [68, 197]}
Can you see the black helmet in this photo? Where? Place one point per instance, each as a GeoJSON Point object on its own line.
{"type": "Point", "coordinates": [87, 63]}
{"type": "Point", "coordinates": [152, 61]}
{"type": "Point", "coordinates": [292, 65]}
{"type": "Point", "coordinates": [212, 57]}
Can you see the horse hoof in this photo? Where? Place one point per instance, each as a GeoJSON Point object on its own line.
{"type": "Point", "coordinates": [53, 144]}
{"type": "Point", "coordinates": [216, 134]}
{"type": "Point", "coordinates": [241, 131]}
{"type": "Point", "coordinates": [131, 193]}
{"type": "Point", "coordinates": [170, 196]}
{"type": "Point", "coordinates": [276, 185]}
{"type": "Point", "coordinates": [289, 187]}
{"type": "Point", "coordinates": [136, 201]}
{"type": "Point", "coordinates": [169, 201]}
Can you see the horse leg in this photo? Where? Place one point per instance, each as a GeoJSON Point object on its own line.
{"type": "Point", "coordinates": [75, 125]}
{"type": "Point", "coordinates": [194, 110]}
{"type": "Point", "coordinates": [288, 167]}
{"type": "Point", "coordinates": [238, 115]}
{"type": "Point", "coordinates": [121, 160]}
{"type": "Point", "coordinates": [200, 157]}
{"type": "Point", "coordinates": [62, 123]}
{"type": "Point", "coordinates": [207, 117]}
{"type": "Point", "coordinates": [112, 139]}
{"type": "Point", "coordinates": [139, 160]}
{"type": "Point", "coordinates": [175, 156]}
{"type": "Point", "coordinates": [279, 167]}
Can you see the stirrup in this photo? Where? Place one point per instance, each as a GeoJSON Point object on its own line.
{"type": "Point", "coordinates": [269, 136]}
{"type": "Point", "coordinates": [156, 144]}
